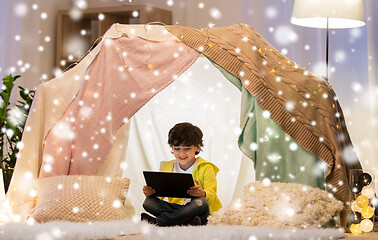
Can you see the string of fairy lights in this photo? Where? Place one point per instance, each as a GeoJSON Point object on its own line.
{"type": "Point", "coordinates": [362, 216]}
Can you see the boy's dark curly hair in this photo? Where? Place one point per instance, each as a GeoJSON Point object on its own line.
{"type": "Point", "coordinates": [185, 134]}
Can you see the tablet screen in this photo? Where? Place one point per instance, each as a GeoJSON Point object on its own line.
{"type": "Point", "coordinates": [168, 184]}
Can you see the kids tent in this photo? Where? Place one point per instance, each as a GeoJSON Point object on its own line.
{"type": "Point", "coordinates": [93, 119]}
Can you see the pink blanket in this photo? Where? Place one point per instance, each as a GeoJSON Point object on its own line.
{"type": "Point", "coordinates": [125, 75]}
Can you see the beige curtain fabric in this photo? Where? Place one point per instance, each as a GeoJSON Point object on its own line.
{"type": "Point", "coordinates": [51, 100]}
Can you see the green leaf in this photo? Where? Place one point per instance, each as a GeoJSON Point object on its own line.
{"type": "Point", "coordinates": [24, 95]}
{"type": "Point", "coordinates": [8, 83]}
{"type": "Point", "coordinates": [18, 132]}
{"type": "Point", "coordinates": [15, 77]}
{"type": "Point", "coordinates": [8, 149]}
{"type": "Point", "coordinates": [5, 97]}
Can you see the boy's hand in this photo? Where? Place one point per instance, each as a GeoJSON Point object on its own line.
{"type": "Point", "coordinates": [148, 191]}
{"type": "Point", "coordinates": [196, 191]}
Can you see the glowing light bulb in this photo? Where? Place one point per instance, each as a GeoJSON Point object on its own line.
{"type": "Point", "coordinates": [355, 229]}
{"type": "Point", "coordinates": [367, 212]}
{"type": "Point", "coordinates": [366, 225]}
{"type": "Point", "coordinates": [355, 207]}
{"type": "Point", "coordinates": [362, 201]}
{"type": "Point", "coordinates": [368, 191]}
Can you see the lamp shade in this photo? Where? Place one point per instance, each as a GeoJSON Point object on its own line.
{"type": "Point", "coordinates": [340, 13]}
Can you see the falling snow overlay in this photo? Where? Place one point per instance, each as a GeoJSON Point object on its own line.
{"type": "Point", "coordinates": [29, 46]}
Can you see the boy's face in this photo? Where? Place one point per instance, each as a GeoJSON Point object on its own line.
{"type": "Point", "coordinates": [185, 155]}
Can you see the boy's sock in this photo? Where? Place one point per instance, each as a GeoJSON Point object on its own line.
{"type": "Point", "coordinates": [148, 218]}
{"type": "Point", "coordinates": [196, 221]}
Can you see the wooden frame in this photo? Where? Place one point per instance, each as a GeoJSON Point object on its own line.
{"type": "Point", "coordinates": [68, 30]}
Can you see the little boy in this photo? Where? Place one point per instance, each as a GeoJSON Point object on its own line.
{"type": "Point", "coordinates": [186, 142]}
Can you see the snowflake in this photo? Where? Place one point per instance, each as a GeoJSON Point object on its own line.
{"type": "Point", "coordinates": [75, 210]}
{"type": "Point", "coordinates": [284, 35]}
{"type": "Point", "coordinates": [101, 16]}
{"type": "Point", "coordinates": [21, 9]}
{"type": "Point", "coordinates": [215, 13]}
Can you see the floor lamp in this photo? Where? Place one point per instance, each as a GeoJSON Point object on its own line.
{"type": "Point", "coordinates": [328, 14]}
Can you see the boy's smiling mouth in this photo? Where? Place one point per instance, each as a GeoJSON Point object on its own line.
{"type": "Point", "coordinates": [185, 155]}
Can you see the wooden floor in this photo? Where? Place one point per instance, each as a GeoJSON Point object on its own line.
{"type": "Point", "coordinates": [348, 236]}
{"type": "Point", "coordinates": [363, 236]}
{"type": "Point", "coordinates": [130, 237]}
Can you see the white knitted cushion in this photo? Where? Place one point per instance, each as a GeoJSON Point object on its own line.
{"type": "Point", "coordinates": [282, 205]}
{"type": "Point", "coordinates": [80, 198]}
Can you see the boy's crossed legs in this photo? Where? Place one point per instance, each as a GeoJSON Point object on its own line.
{"type": "Point", "coordinates": [169, 214]}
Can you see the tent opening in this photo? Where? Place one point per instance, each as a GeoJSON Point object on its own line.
{"type": "Point", "coordinates": [205, 98]}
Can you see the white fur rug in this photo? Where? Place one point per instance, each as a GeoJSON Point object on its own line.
{"type": "Point", "coordinates": [240, 233]}
{"type": "Point", "coordinates": [109, 230]}
{"type": "Point", "coordinates": [71, 231]}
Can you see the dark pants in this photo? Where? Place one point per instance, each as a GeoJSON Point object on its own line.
{"type": "Point", "coordinates": [169, 214]}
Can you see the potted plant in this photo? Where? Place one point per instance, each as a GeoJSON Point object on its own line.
{"type": "Point", "coordinates": [12, 123]}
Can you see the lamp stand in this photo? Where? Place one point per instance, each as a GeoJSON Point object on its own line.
{"type": "Point", "coordinates": [327, 46]}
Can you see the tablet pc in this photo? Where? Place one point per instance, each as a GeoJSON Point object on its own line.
{"type": "Point", "coordinates": [168, 184]}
